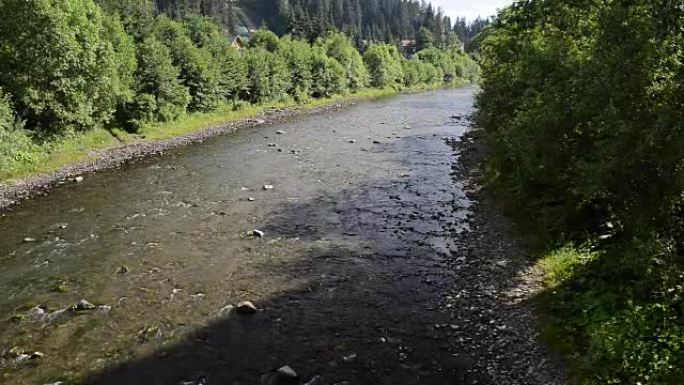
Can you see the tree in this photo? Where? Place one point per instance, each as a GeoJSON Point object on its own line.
{"type": "Point", "coordinates": [198, 69]}
{"type": "Point", "coordinates": [327, 74]}
{"type": "Point", "coordinates": [159, 94]}
{"type": "Point", "coordinates": [425, 39]}
{"type": "Point", "coordinates": [297, 55]}
{"type": "Point", "coordinates": [265, 39]}
{"type": "Point", "coordinates": [61, 69]}
{"type": "Point", "coordinates": [267, 76]}
{"type": "Point", "coordinates": [339, 47]}
{"type": "Point", "coordinates": [384, 65]}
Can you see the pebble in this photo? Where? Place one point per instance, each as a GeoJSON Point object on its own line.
{"type": "Point", "coordinates": [78, 179]}
{"type": "Point", "coordinates": [279, 132]}
{"type": "Point", "coordinates": [350, 358]}
{"type": "Point", "coordinates": [268, 187]}
{"type": "Point", "coordinates": [246, 308]}
{"type": "Point", "coordinates": [316, 380]}
{"type": "Point", "coordinates": [29, 239]}
{"type": "Point", "coordinates": [226, 310]}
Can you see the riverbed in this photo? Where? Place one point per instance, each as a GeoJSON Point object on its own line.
{"type": "Point", "coordinates": [341, 228]}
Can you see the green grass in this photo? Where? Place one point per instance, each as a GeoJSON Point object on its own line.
{"type": "Point", "coordinates": [616, 316]}
{"type": "Point", "coordinates": [83, 147]}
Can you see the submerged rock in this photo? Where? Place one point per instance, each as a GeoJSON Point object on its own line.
{"type": "Point", "coordinates": [78, 179]}
{"type": "Point", "coordinates": [226, 311]}
{"type": "Point", "coordinates": [283, 376]}
{"type": "Point", "coordinates": [121, 270]}
{"type": "Point", "coordinates": [37, 313]}
{"type": "Point", "coordinates": [83, 305]}
{"type": "Point", "coordinates": [316, 380]}
{"type": "Point", "coordinates": [257, 233]}
{"type": "Point", "coordinates": [29, 240]}
{"type": "Point", "coordinates": [149, 333]}
{"type": "Point", "coordinates": [350, 358]}
{"type": "Point", "coordinates": [246, 308]}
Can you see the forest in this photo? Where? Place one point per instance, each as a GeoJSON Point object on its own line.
{"type": "Point", "coordinates": [80, 65]}
{"type": "Point", "coordinates": [582, 107]}
{"type": "Point", "coordinates": [373, 20]}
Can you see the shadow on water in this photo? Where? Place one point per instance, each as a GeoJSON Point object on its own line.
{"type": "Point", "coordinates": [367, 272]}
{"type": "Point", "coordinates": [370, 282]}
{"type": "Point", "coordinates": [370, 305]}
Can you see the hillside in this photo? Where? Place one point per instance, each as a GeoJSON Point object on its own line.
{"type": "Point", "coordinates": [374, 20]}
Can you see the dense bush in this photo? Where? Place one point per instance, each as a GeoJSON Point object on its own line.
{"type": "Point", "coordinates": [82, 64]}
{"type": "Point", "coordinates": [199, 71]}
{"type": "Point", "coordinates": [328, 75]}
{"type": "Point", "coordinates": [297, 55]}
{"type": "Point", "coordinates": [267, 76]}
{"type": "Point", "coordinates": [16, 147]}
{"type": "Point", "coordinates": [384, 65]}
{"type": "Point", "coordinates": [57, 63]}
{"type": "Point", "coordinates": [339, 47]}
{"type": "Point", "coordinates": [582, 103]}
{"type": "Point", "coordinates": [159, 94]}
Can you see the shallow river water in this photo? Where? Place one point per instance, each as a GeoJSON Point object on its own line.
{"type": "Point", "coordinates": [362, 212]}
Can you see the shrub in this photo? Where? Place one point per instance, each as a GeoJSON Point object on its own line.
{"type": "Point", "coordinates": [263, 38]}
{"type": "Point", "coordinates": [384, 65]}
{"type": "Point", "coordinates": [16, 147]}
{"type": "Point", "coordinates": [267, 76]}
{"type": "Point", "coordinates": [159, 94]}
{"type": "Point", "coordinates": [199, 71]}
{"type": "Point", "coordinates": [339, 47]}
{"type": "Point", "coordinates": [57, 63]}
{"type": "Point", "coordinates": [327, 74]}
{"type": "Point", "coordinates": [297, 55]}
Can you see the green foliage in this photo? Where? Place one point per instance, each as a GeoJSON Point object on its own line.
{"type": "Point", "coordinates": [267, 76]}
{"type": "Point", "coordinates": [581, 102]}
{"type": "Point", "coordinates": [384, 65]}
{"type": "Point", "coordinates": [159, 94]}
{"type": "Point", "coordinates": [425, 39]}
{"type": "Point", "coordinates": [16, 147]}
{"type": "Point", "coordinates": [263, 38]}
{"type": "Point", "coordinates": [61, 70]}
{"type": "Point", "coordinates": [199, 71]}
{"type": "Point", "coordinates": [83, 64]}
{"type": "Point", "coordinates": [126, 62]}
{"type": "Point", "coordinates": [339, 47]}
{"type": "Point", "coordinates": [297, 55]}
{"type": "Point", "coordinates": [328, 75]}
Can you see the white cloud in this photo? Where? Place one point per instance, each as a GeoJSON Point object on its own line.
{"type": "Point", "coordinates": [471, 9]}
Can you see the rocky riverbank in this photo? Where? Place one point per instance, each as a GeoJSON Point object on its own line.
{"type": "Point", "coordinates": [493, 304]}
{"type": "Point", "coordinates": [25, 188]}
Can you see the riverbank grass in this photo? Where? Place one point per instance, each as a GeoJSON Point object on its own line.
{"type": "Point", "coordinates": [82, 147]}
{"type": "Point", "coordinates": [615, 314]}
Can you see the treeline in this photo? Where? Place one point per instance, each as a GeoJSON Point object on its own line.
{"type": "Point", "coordinates": [583, 104]}
{"type": "Point", "coordinates": [375, 20]}
{"type": "Point", "coordinates": [75, 65]}
{"type": "Point", "coordinates": [386, 21]}
{"type": "Point", "coordinates": [469, 31]}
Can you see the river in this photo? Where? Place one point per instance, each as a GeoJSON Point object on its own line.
{"type": "Point", "coordinates": [347, 276]}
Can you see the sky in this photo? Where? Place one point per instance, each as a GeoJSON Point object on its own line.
{"type": "Point", "coordinates": [471, 9]}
